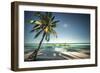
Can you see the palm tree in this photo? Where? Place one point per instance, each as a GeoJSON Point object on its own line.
{"type": "Point", "coordinates": [44, 25]}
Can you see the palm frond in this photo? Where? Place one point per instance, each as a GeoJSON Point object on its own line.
{"type": "Point", "coordinates": [38, 22]}
{"type": "Point", "coordinates": [52, 18]}
{"type": "Point", "coordinates": [44, 19]}
{"type": "Point", "coordinates": [35, 28]}
{"type": "Point", "coordinates": [53, 25]}
{"type": "Point", "coordinates": [54, 33]}
{"type": "Point", "coordinates": [27, 21]}
{"type": "Point", "coordinates": [37, 14]}
{"type": "Point", "coordinates": [31, 21]}
{"type": "Point", "coordinates": [55, 22]}
{"type": "Point", "coordinates": [32, 30]}
{"type": "Point", "coordinates": [47, 37]}
{"type": "Point", "coordinates": [49, 14]}
{"type": "Point", "coordinates": [38, 34]}
{"type": "Point", "coordinates": [45, 23]}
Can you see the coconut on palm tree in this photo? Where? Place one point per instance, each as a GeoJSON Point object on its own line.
{"type": "Point", "coordinates": [44, 25]}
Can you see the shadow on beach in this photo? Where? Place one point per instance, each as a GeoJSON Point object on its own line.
{"type": "Point", "coordinates": [45, 55]}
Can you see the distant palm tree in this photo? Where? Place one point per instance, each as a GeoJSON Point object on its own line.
{"type": "Point", "coordinates": [44, 25]}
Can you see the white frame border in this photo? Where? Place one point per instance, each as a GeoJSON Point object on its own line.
{"type": "Point", "coordinates": [23, 64]}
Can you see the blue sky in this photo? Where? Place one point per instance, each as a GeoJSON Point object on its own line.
{"type": "Point", "coordinates": [72, 28]}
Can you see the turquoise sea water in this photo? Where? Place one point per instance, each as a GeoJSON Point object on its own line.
{"type": "Point", "coordinates": [71, 47]}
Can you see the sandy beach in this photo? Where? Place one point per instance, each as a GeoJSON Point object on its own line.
{"type": "Point", "coordinates": [55, 55]}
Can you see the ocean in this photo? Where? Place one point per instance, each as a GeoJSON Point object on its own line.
{"type": "Point", "coordinates": [70, 47]}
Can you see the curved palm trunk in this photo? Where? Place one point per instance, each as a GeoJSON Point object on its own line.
{"type": "Point", "coordinates": [35, 53]}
